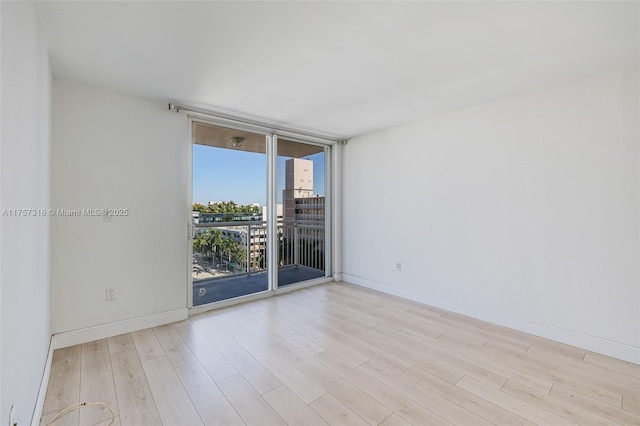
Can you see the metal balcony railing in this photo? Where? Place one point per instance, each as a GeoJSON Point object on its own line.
{"type": "Point", "coordinates": [222, 249]}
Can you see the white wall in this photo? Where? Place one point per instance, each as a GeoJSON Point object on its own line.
{"type": "Point", "coordinates": [113, 150]}
{"type": "Point", "coordinates": [523, 211]}
{"type": "Point", "coordinates": [24, 183]}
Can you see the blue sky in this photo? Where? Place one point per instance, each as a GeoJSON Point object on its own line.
{"type": "Point", "coordinates": [228, 175]}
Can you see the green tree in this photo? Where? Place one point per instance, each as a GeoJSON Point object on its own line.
{"type": "Point", "coordinates": [239, 255]}
{"type": "Point", "coordinates": [226, 207]}
{"type": "Point", "coordinates": [228, 246]}
{"type": "Point", "coordinates": [214, 240]}
{"type": "Point", "coordinates": [199, 207]}
{"type": "Point", "coordinates": [199, 243]}
{"type": "Point", "coordinates": [208, 243]}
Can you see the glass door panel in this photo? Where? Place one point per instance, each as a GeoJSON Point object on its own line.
{"type": "Point", "coordinates": [301, 212]}
{"type": "Point", "coordinates": [229, 215]}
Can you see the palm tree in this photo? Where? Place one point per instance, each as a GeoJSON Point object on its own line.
{"type": "Point", "coordinates": [228, 246]}
{"type": "Point", "coordinates": [200, 244]}
{"type": "Point", "coordinates": [239, 256]}
{"type": "Point", "coordinates": [208, 243]}
{"type": "Point", "coordinates": [213, 240]}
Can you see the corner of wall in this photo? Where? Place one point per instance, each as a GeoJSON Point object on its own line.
{"type": "Point", "coordinates": [25, 181]}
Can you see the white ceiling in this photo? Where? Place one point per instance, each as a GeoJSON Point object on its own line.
{"type": "Point", "coordinates": [338, 68]}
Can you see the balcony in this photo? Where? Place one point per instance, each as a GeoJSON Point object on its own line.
{"type": "Point", "coordinates": [229, 258]}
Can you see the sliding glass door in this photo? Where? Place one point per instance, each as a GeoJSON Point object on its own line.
{"type": "Point", "coordinates": [240, 244]}
{"type": "Point", "coordinates": [302, 226]}
{"type": "Point", "coordinates": [229, 196]}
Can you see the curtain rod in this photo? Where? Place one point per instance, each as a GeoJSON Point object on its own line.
{"type": "Point", "coordinates": [281, 131]}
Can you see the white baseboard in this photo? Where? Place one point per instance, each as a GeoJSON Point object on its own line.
{"type": "Point", "coordinates": [89, 334]}
{"type": "Point", "coordinates": [42, 392]}
{"type": "Point", "coordinates": [595, 344]}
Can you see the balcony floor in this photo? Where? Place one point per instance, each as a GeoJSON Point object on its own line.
{"type": "Point", "coordinates": [229, 287]}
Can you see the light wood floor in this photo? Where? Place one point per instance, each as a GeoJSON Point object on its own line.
{"type": "Point", "coordinates": [341, 355]}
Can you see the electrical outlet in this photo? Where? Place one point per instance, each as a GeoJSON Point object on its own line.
{"type": "Point", "coordinates": [398, 266]}
{"type": "Point", "coordinates": [110, 294]}
{"type": "Point", "coordinates": [12, 416]}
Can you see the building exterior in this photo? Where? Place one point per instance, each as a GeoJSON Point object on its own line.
{"type": "Point", "coordinates": [298, 184]}
{"type": "Point", "coordinates": [303, 225]}
{"type": "Point", "coordinates": [278, 212]}
{"type": "Point", "coordinates": [226, 217]}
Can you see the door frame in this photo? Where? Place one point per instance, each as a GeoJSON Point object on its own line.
{"type": "Point", "coordinates": [271, 141]}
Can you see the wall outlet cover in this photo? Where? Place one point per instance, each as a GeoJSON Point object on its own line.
{"type": "Point", "coordinates": [110, 294]}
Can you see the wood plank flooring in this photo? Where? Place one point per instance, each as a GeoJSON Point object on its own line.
{"type": "Point", "coordinates": [338, 354]}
